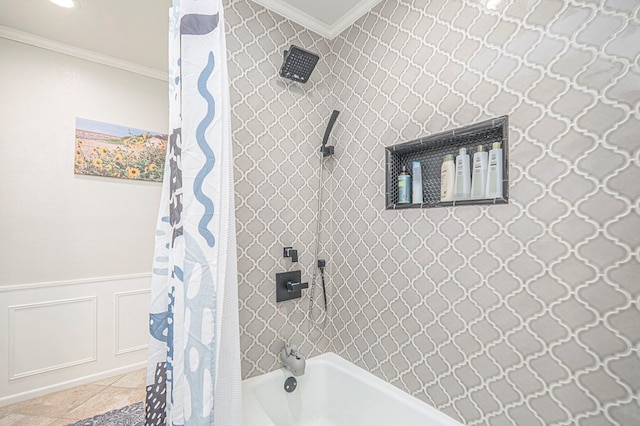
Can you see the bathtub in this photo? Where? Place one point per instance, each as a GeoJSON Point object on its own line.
{"type": "Point", "coordinates": [333, 392]}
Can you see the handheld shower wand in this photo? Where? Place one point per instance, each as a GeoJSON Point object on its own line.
{"type": "Point", "coordinates": [324, 149]}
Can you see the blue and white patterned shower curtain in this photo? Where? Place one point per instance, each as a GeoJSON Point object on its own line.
{"type": "Point", "coordinates": [193, 375]}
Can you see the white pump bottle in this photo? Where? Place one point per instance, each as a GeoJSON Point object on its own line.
{"type": "Point", "coordinates": [463, 176]}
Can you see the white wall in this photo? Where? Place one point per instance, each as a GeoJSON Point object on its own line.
{"type": "Point", "coordinates": [56, 225]}
{"type": "Point", "coordinates": [76, 251]}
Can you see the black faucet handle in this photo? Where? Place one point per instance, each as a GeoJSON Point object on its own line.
{"type": "Point", "coordinates": [292, 286]}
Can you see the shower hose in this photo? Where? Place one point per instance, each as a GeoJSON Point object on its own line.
{"type": "Point", "coordinates": [316, 253]}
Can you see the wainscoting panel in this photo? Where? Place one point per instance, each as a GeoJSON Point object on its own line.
{"type": "Point", "coordinates": [58, 335]}
{"type": "Point", "coordinates": [51, 335]}
{"type": "Point", "coordinates": [132, 321]}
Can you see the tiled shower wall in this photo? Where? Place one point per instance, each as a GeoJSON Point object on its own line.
{"type": "Point", "coordinates": [519, 314]}
{"type": "Point", "coordinates": [277, 132]}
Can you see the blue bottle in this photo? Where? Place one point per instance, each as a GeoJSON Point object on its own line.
{"type": "Point", "coordinates": [404, 187]}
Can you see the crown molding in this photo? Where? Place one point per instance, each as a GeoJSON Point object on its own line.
{"type": "Point", "coordinates": [296, 15]}
{"type": "Point", "coordinates": [314, 24]}
{"type": "Point", "coordinates": [357, 12]}
{"type": "Point", "coordinates": [77, 52]}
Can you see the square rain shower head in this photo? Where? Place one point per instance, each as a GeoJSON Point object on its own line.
{"type": "Point", "coordinates": [298, 64]}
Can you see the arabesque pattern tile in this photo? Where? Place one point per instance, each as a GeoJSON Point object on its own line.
{"type": "Point", "coordinates": [277, 128]}
{"type": "Point", "coordinates": [518, 314]}
{"type": "Point", "coordinates": [524, 313]}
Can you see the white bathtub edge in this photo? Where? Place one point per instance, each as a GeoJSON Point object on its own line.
{"type": "Point", "coordinates": [335, 361]}
{"type": "Point", "coordinates": [373, 380]}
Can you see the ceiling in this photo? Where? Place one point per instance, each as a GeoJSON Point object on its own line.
{"type": "Point", "coordinates": [135, 31]}
{"type": "Point", "coordinates": [130, 30]}
{"type": "Point", "coordinates": [325, 17]}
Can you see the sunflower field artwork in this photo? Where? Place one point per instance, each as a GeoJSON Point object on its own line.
{"type": "Point", "coordinates": [110, 150]}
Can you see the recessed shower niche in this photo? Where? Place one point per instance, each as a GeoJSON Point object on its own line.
{"type": "Point", "coordinates": [430, 151]}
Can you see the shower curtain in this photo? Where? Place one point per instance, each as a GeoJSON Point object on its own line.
{"type": "Point", "coordinates": [193, 375]}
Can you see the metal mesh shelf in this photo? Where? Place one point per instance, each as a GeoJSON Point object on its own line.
{"type": "Point", "coordinates": [430, 150]}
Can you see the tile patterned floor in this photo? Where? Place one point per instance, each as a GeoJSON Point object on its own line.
{"type": "Point", "coordinates": [69, 406]}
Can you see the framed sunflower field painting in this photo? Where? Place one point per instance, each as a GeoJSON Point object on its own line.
{"type": "Point", "coordinates": [110, 150]}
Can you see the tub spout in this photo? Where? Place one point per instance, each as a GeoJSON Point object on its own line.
{"type": "Point", "coordinates": [292, 361]}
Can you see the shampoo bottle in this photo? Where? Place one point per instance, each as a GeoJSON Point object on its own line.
{"type": "Point", "coordinates": [463, 176]}
{"type": "Point", "coordinates": [494, 172]}
{"type": "Point", "coordinates": [479, 178]}
{"type": "Point", "coordinates": [447, 178]}
{"type": "Point", "coordinates": [416, 185]}
{"type": "Point", "coordinates": [404, 187]}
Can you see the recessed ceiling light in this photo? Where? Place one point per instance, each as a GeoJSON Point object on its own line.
{"type": "Point", "coordinates": [69, 4]}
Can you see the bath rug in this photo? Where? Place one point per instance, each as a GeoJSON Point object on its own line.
{"type": "Point", "coordinates": [132, 415]}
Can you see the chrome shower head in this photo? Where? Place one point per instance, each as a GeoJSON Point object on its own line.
{"type": "Point", "coordinates": [298, 64]}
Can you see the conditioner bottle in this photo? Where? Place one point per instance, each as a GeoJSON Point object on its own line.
{"type": "Point", "coordinates": [447, 178]}
{"type": "Point", "coordinates": [479, 177]}
{"type": "Point", "coordinates": [463, 176]}
{"type": "Point", "coordinates": [495, 172]}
